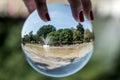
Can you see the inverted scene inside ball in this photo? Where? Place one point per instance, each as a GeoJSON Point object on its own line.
{"type": "Point", "coordinates": [59, 47]}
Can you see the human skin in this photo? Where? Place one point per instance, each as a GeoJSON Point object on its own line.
{"type": "Point", "coordinates": [79, 9]}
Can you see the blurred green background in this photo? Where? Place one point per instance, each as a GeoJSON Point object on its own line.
{"type": "Point", "coordinates": [104, 64]}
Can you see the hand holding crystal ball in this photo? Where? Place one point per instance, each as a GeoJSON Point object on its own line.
{"type": "Point", "coordinates": [60, 47]}
{"type": "Point", "coordinates": [79, 9]}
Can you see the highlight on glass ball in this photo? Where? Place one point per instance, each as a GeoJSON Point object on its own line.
{"type": "Point", "coordinates": [60, 47]}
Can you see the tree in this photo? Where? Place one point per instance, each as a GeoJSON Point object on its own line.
{"type": "Point", "coordinates": [54, 36]}
{"type": "Point", "coordinates": [87, 35]}
{"type": "Point", "coordinates": [26, 38]}
{"type": "Point", "coordinates": [31, 35]}
{"type": "Point", "coordinates": [66, 36]}
{"type": "Point", "coordinates": [76, 36]}
{"type": "Point", "coordinates": [60, 30]}
{"type": "Point", "coordinates": [81, 30]}
{"type": "Point", "coordinates": [36, 38]}
{"type": "Point", "coordinates": [44, 30]}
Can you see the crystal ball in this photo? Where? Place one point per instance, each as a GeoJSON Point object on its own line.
{"type": "Point", "coordinates": [60, 47]}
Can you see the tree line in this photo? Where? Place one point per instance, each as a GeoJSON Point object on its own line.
{"type": "Point", "coordinates": [60, 37]}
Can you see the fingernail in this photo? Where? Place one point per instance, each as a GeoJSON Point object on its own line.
{"type": "Point", "coordinates": [81, 16]}
{"type": "Point", "coordinates": [47, 16]}
{"type": "Point", "coordinates": [91, 15]}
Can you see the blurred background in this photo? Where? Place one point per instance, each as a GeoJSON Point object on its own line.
{"type": "Point", "coordinates": [104, 64]}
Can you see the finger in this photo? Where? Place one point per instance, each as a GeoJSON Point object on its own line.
{"type": "Point", "coordinates": [30, 4]}
{"type": "Point", "coordinates": [87, 8]}
{"type": "Point", "coordinates": [42, 9]}
{"type": "Point", "coordinates": [77, 10]}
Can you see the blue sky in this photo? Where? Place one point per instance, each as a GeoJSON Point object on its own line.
{"type": "Point", "coordinates": [61, 17]}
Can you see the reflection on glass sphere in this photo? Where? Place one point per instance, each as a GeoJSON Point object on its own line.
{"type": "Point", "coordinates": [59, 47]}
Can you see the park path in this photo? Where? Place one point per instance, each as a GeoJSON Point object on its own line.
{"type": "Point", "coordinates": [55, 61]}
{"type": "Point", "coordinates": [51, 62]}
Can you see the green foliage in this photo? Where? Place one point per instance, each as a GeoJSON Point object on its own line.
{"type": "Point", "coordinates": [13, 65]}
{"type": "Point", "coordinates": [76, 37]}
{"type": "Point", "coordinates": [80, 28]}
{"type": "Point", "coordinates": [54, 38]}
{"type": "Point", "coordinates": [31, 35]}
{"type": "Point", "coordinates": [26, 38]}
{"type": "Point", "coordinates": [36, 38]}
{"type": "Point", "coordinates": [44, 30]}
{"type": "Point", "coordinates": [78, 34]}
{"type": "Point", "coordinates": [87, 35]}
{"type": "Point", "coordinates": [59, 37]}
{"type": "Point", "coordinates": [66, 36]}
{"type": "Point", "coordinates": [30, 38]}
{"type": "Point", "coordinates": [62, 36]}
{"type": "Point", "coordinates": [60, 30]}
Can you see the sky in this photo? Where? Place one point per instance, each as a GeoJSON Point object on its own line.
{"type": "Point", "coordinates": [61, 17]}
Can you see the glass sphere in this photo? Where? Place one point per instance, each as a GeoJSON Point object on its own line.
{"type": "Point", "coordinates": [60, 47]}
